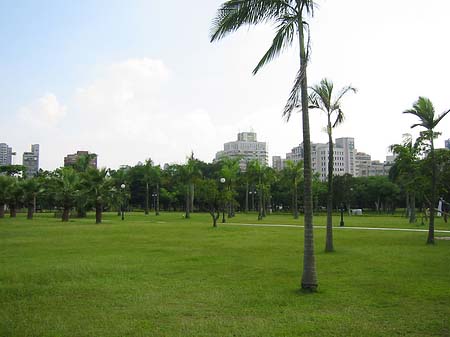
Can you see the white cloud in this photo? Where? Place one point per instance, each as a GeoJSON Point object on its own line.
{"type": "Point", "coordinates": [46, 111]}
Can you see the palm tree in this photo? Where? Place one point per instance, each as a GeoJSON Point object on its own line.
{"type": "Point", "coordinates": [322, 98]}
{"type": "Point", "coordinates": [289, 17]}
{"type": "Point", "coordinates": [30, 188]}
{"type": "Point", "coordinates": [230, 171]}
{"type": "Point", "coordinates": [67, 188]}
{"type": "Point", "coordinates": [423, 108]}
{"type": "Point", "coordinates": [14, 194]}
{"type": "Point", "coordinates": [98, 186]}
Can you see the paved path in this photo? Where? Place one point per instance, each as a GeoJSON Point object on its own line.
{"type": "Point", "coordinates": [341, 228]}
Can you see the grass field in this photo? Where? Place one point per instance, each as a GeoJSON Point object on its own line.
{"type": "Point", "coordinates": [169, 276]}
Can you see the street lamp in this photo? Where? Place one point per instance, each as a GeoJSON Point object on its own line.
{"type": "Point", "coordinates": [252, 194]}
{"type": "Point", "coordinates": [154, 195]}
{"type": "Point", "coordinates": [222, 181]}
{"type": "Point", "coordinates": [123, 200]}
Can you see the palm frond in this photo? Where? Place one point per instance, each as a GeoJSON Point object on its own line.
{"type": "Point", "coordinates": [282, 40]}
{"type": "Point", "coordinates": [294, 99]}
{"type": "Point", "coordinates": [233, 14]}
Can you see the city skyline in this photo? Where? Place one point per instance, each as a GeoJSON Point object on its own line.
{"type": "Point", "coordinates": [110, 79]}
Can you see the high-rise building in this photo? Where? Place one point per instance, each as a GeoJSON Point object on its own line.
{"type": "Point", "coordinates": [31, 160]}
{"type": "Point", "coordinates": [447, 144]}
{"type": "Point", "coordinates": [343, 157]}
{"type": "Point", "coordinates": [6, 154]}
{"type": "Point", "coordinates": [71, 159]}
{"type": "Point", "coordinates": [348, 146]}
{"type": "Point", "coordinates": [246, 148]}
{"type": "Point", "coordinates": [362, 164]}
{"type": "Point", "coordinates": [278, 163]}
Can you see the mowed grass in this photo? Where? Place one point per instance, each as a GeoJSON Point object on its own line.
{"type": "Point", "coordinates": [169, 276]}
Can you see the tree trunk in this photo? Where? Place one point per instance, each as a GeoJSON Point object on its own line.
{"type": "Point", "coordinates": [2, 210]}
{"type": "Point", "coordinates": [329, 237]}
{"type": "Point", "coordinates": [191, 202]}
{"type": "Point", "coordinates": [430, 239]}
{"type": "Point", "coordinates": [408, 206]}
{"type": "Point", "coordinates": [246, 197]}
{"type": "Point", "coordinates": [30, 211]}
{"type": "Point", "coordinates": [98, 213]}
{"type": "Point", "coordinates": [264, 204]}
{"type": "Point", "coordinates": [146, 198]}
{"type": "Point", "coordinates": [65, 214]}
{"type": "Point", "coordinates": [215, 216]}
{"type": "Point", "coordinates": [12, 211]}
{"type": "Point", "coordinates": [412, 206]}
{"type": "Point", "coordinates": [295, 203]}
{"type": "Point", "coordinates": [260, 216]}
{"type": "Point", "coordinates": [157, 199]}
{"type": "Point", "coordinates": [188, 213]}
{"type": "Point", "coordinates": [309, 276]}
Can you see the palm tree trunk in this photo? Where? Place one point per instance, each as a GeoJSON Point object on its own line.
{"type": "Point", "coordinates": [412, 205]}
{"type": "Point", "coordinates": [65, 214]}
{"type": "Point", "coordinates": [295, 203]}
{"type": "Point", "coordinates": [260, 200]}
{"type": "Point", "coordinates": [157, 199]}
{"type": "Point", "coordinates": [98, 213]}
{"type": "Point", "coordinates": [191, 201]}
{"type": "Point", "coordinates": [329, 237]}
{"type": "Point", "coordinates": [12, 211]}
{"type": "Point", "coordinates": [246, 197]}
{"type": "Point", "coordinates": [430, 239]}
{"type": "Point", "coordinates": [2, 210]}
{"type": "Point", "coordinates": [30, 211]}
{"type": "Point", "coordinates": [309, 276]}
{"type": "Point", "coordinates": [147, 196]}
{"type": "Point", "coordinates": [408, 207]}
{"type": "Point", "coordinates": [188, 213]}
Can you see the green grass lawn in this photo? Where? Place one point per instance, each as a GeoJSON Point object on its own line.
{"type": "Point", "coordinates": [169, 276]}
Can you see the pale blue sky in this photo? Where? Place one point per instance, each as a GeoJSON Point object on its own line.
{"type": "Point", "coordinates": [139, 79]}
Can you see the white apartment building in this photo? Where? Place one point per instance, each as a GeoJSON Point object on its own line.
{"type": "Point", "coordinates": [278, 163]}
{"type": "Point", "coordinates": [343, 157]}
{"type": "Point", "coordinates": [6, 154]}
{"type": "Point", "coordinates": [31, 160]}
{"type": "Point", "coordinates": [245, 148]}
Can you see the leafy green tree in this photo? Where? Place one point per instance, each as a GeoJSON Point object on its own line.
{"type": "Point", "coordinates": [322, 98]}
{"type": "Point", "coordinates": [210, 197]}
{"type": "Point", "coordinates": [289, 16]}
{"type": "Point", "coordinates": [255, 170]}
{"type": "Point", "coordinates": [5, 182]}
{"type": "Point", "coordinates": [423, 109]}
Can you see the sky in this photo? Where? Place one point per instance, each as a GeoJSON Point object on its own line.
{"type": "Point", "coordinates": [138, 80]}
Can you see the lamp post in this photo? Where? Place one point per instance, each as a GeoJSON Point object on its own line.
{"type": "Point", "coordinates": [252, 194]}
{"type": "Point", "coordinates": [123, 200]}
{"type": "Point", "coordinates": [154, 195]}
{"type": "Point", "coordinates": [222, 181]}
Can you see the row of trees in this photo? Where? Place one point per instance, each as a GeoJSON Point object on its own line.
{"type": "Point", "coordinates": [200, 186]}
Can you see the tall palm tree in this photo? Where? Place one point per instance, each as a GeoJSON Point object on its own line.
{"type": "Point", "coordinates": [423, 108]}
{"type": "Point", "coordinates": [289, 18]}
{"type": "Point", "coordinates": [322, 98]}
